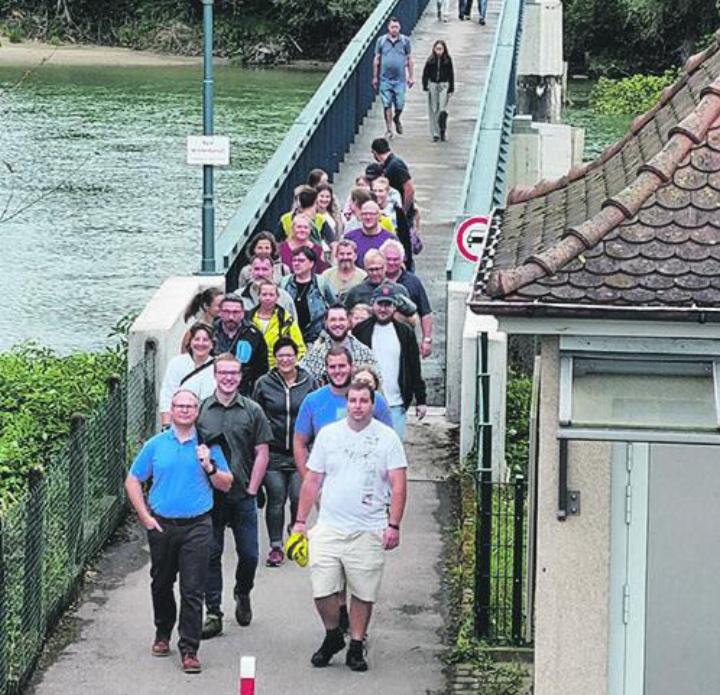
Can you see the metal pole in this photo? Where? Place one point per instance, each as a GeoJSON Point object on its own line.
{"type": "Point", "coordinates": [208, 208]}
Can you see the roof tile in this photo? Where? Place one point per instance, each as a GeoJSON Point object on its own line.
{"type": "Point", "coordinates": [639, 226]}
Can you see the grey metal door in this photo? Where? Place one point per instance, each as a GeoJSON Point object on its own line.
{"type": "Point", "coordinates": [682, 610]}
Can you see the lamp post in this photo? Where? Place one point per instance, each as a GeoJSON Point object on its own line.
{"type": "Point", "coordinates": [208, 208]}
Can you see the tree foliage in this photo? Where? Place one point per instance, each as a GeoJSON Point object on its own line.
{"type": "Point", "coordinates": [310, 28]}
{"type": "Point", "coordinates": [630, 95]}
{"type": "Point", "coordinates": [621, 37]}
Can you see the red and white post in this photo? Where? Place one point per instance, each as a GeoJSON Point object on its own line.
{"type": "Point", "coordinates": [246, 685]}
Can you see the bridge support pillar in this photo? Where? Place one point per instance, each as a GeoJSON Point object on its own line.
{"type": "Point", "coordinates": [541, 70]}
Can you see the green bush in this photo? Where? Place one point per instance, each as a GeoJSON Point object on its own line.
{"type": "Point", "coordinates": [517, 429]}
{"type": "Point", "coordinates": [631, 95]}
{"type": "Point", "coordinates": [39, 392]}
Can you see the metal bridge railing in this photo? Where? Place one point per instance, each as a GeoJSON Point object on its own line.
{"type": "Point", "coordinates": [320, 136]}
{"type": "Point", "coordinates": [486, 171]}
{"type": "Point", "coordinates": [65, 517]}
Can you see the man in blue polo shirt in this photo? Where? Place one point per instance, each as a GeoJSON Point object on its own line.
{"type": "Point", "coordinates": [392, 72]}
{"type": "Point", "coordinates": [177, 518]}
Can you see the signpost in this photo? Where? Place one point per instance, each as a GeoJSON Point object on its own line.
{"type": "Point", "coordinates": [208, 150]}
{"type": "Point", "coordinates": [207, 266]}
{"type": "Point", "coordinates": [470, 235]}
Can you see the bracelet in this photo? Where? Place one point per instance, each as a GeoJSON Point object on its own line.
{"type": "Point", "coordinates": [427, 340]}
{"type": "Point", "coordinates": [298, 521]}
{"type": "Point", "coordinates": [394, 526]}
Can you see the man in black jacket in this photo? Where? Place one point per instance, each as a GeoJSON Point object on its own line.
{"type": "Point", "coordinates": [396, 349]}
{"type": "Point", "coordinates": [241, 338]}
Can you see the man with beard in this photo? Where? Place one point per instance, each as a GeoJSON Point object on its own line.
{"type": "Point", "coordinates": [398, 355]}
{"type": "Point", "coordinates": [329, 404]}
{"type": "Point", "coordinates": [336, 333]}
{"type": "Point", "coordinates": [240, 338]}
{"type": "Point", "coordinates": [345, 275]}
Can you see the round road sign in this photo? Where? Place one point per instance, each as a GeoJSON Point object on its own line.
{"type": "Point", "coordinates": [470, 233]}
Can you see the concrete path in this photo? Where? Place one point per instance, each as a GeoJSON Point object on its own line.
{"type": "Point", "coordinates": [438, 169]}
{"type": "Point", "coordinates": [109, 654]}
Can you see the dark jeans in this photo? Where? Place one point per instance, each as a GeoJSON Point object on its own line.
{"type": "Point", "coordinates": [279, 485]}
{"type": "Point", "coordinates": [240, 514]}
{"type": "Point", "coordinates": [182, 549]}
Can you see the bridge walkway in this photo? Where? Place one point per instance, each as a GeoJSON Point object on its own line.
{"type": "Point", "coordinates": [438, 169]}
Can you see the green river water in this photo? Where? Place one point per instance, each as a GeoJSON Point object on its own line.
{"type": "Point", "coordinates": [97, 156]}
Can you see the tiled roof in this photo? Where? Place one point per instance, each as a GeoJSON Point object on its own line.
{"type": "Point", "coordinates": [635, 232]}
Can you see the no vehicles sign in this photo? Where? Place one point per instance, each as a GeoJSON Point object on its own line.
{"type": "Point", "coordinates": [470, 235]}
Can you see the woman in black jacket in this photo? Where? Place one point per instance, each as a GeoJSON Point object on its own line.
{"type": "Point", "coordinates": [438, 80]}
{"type": "Point", "coordinates": [279, 393]}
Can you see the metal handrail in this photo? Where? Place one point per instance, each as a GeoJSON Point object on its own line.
{"type": "Point", "coordinates": [320, 136]}
{"type": "Point", "coordinates": [484, 183]}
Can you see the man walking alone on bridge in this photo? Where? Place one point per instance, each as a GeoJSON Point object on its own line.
{"type": "Point", "coordinates": [354, 461]}
{"type": "Point", "coordinates": [177, 520]}
{"type": "Point", "coordinates": [392, 72]}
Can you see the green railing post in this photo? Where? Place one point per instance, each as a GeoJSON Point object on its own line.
{"type": "Point", "coordinates": [32, 612]}
{"type": "Point", "coordinates": [77, 486]}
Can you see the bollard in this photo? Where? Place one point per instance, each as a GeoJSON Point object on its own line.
{"type": "Point", "coordinates": [247, 676]}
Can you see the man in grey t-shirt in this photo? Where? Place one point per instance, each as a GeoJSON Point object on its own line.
{"type": "Point", "coordinates": [392, 72]}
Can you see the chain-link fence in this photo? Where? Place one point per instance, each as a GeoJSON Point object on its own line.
{"type": "Point", "coordinates": [66, 516]}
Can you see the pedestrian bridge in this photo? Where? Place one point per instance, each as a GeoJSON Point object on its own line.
{"type": "Point", "coordinates": [464, 176]}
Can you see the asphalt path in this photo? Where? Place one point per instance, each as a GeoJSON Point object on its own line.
{"type": "Point", "coordinates": [111, 630]}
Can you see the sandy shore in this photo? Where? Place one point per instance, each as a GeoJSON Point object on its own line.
{"type": "Point", "coordinates": [33, 52]}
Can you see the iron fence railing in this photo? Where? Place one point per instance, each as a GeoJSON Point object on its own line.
{"type": "Point", "coordinates": [501, 532]}
{"type": "Point", "coordinates": [66, 516]}
{"type": "Point", "coordinates": [320, 137]}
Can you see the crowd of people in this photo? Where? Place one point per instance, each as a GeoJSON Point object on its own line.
{"type": "Point", "coordinates": [298, 381]}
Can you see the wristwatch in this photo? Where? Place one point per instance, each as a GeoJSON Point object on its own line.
{"type": "Point", "coordinates": [213, 470]}
{"type": "Point", "coordinates": [427, 340]}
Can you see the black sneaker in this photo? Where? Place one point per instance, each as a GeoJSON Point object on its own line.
{"type": "Point", "coordinates": [344, 619]}
{"type": "Point", "coordinates": [481, 21]}
{"type": "Point", "coordinates": [243, 609]}
{"type": "Point", "coordinates": [398, 125]}
{"type": "Point", "coordinates": [355, 657]}
{"type": "Point", "coordinates": [333, 643]}
{"type": "Point", "coordinates": [212, 627]}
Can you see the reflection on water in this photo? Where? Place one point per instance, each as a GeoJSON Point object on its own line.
{"type": "Point", "coordinates": [103, 151]}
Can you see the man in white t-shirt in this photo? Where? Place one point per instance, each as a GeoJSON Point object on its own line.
{"type": "Point", "coordinates": [354, 461]}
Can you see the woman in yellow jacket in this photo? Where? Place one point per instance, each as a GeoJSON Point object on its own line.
{"type": "Point", "coordinates": [274, 322]}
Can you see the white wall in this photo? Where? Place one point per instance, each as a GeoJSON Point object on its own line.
{"type": "Point", "coordinates": [162, 320]}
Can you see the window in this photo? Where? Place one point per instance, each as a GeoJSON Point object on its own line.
{"type": "Point", "coordinates": [669, 393]}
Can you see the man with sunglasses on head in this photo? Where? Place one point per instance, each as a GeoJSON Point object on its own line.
{"type": "Point", "coordinates": [177, 518]}
{"type": "Point", "coordinates": [240, 424]}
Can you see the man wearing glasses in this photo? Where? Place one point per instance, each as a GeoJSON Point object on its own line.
{"type": "Point", "coordinates": [177, 518]}
{"type": "Point", "coordinates": [241, 425]}
{"type": "Point", "coordinates": [239, 337]}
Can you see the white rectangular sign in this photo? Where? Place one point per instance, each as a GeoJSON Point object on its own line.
{"type": "Point", "coordinates": [208, 150]}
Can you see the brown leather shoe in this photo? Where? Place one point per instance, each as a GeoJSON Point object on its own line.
{"type": "Point", "coordinates": [160, 647]}
{"type": "Point", "coordinates": [191, 664]}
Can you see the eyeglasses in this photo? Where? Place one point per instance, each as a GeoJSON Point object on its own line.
{"type": "Point", "coordinates": [184, 406]}
{"type": "Point", "coordinates": [285, 356]}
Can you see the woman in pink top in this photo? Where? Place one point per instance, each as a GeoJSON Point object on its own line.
{"type": "Point", "coordinates": [301, 237]}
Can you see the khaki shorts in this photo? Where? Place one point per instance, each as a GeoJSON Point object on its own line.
{"type": "Point", "coordinates": [337, 558]}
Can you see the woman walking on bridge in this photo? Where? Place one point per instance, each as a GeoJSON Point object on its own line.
{"type": "Point", "coordinates": [438, 80]}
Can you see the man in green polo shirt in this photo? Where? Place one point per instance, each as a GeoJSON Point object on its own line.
{"type": "Point", "coordinates": [242, 426]}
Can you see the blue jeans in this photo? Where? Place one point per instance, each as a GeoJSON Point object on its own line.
{"type": "Point", "coordinates": [398, 419]}
{"type": "Point", "coordinates": [240, 514]}
{"type": "Point", "coordinates": [279, 485]}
